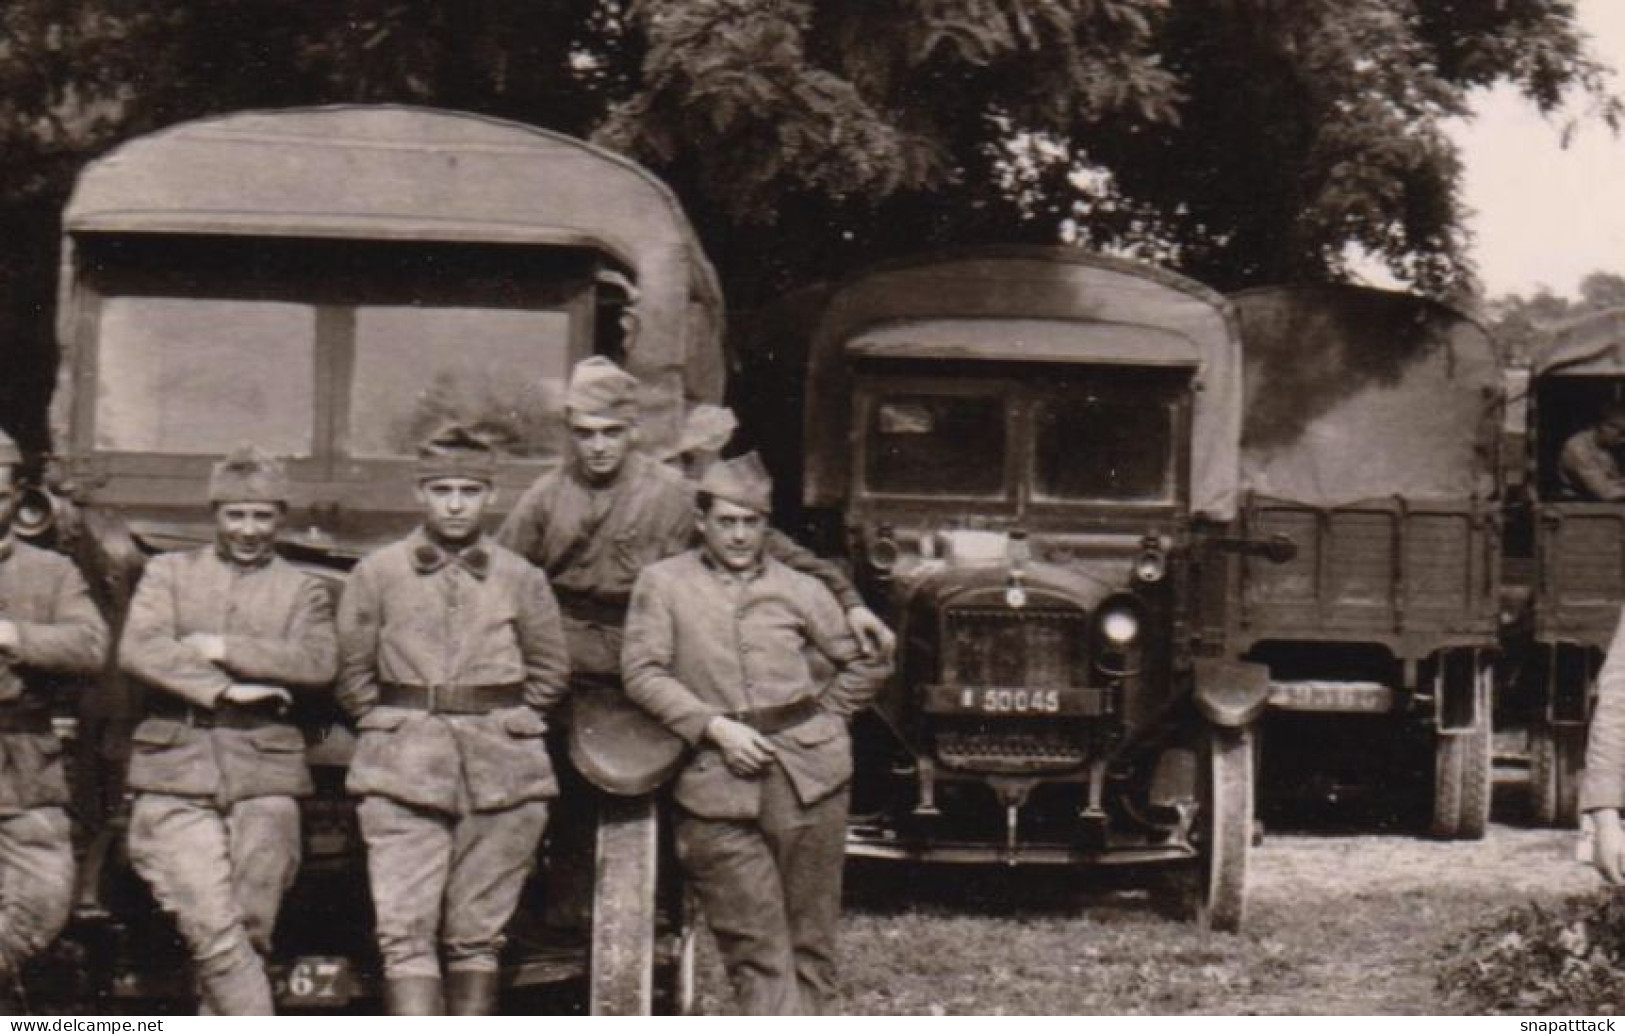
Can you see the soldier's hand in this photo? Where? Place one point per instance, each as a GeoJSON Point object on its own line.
{"type": "Point", "coordinates": [744, 750]}
{"type": "Point", "coordinates": [1608, 853]}
{"type": "Point", "coordinates": [874, 637]}
{"type": "Point", "coordinates": [212, 647]}
{"type": "Point", "coordinates": [249, 694]}
{"type": "Point", "coordinates": [9, 641]}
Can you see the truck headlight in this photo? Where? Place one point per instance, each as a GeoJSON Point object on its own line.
{"type": "Point", "coordinates": [1119, 626]}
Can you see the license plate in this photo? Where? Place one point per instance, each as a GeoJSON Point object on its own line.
{"type": "Point", "coordinates": [1342, 697]}
{"type": "Point", "coordinates": [998, 701]}
{"type": "Point", "coordinates": [317, 980]}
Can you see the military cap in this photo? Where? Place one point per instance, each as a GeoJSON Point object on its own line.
{"type": "Point", "coordinates": [455, 451]}
{"type": "Point", "coordinates": [743, 481]}
{"type": "Point", "coordinates": [248, 475]}
{"type": "Point", "coordinates": [599, 388]}
{"type": "Point", "coordinates": [10, 455]}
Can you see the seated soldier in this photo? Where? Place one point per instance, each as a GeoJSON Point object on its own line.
{"type": "Point", "coordinates": [1589, 465]}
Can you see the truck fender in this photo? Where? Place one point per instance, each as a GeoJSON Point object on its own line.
{"type": "Point", "coordinates": [1231, 693]}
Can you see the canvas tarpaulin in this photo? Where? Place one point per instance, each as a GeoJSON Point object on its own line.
{"type": "Point", "coordinates": [1354, 394]}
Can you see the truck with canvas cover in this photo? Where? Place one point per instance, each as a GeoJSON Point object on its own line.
{"type": "Point", "coordinates": [1371, 440]}
{"type": "Point", "coordinates": [1578, 541]}
{"type": "Point", "coordinates": [1030, 457]}
{"type": "Point", "coordinates": [332, 284]}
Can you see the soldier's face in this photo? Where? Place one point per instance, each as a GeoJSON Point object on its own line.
{"type": "Point", "coordinates": [9, 497]}
{"type": "Point", "coordinates": [247, 531]}
{"type": "Point", "coordinates": [600, 446]}
{"type": "Point", "coordinates": [454, 507]}
{"type": "Point", "coordinates": [732, 534]}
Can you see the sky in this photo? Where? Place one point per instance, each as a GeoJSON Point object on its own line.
{"type": "Point", "coordinates": [1543, 214]}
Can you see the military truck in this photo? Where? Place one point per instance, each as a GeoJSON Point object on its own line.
{"type": "Point", "coordinates": [1372, 440]}
{"type": "Point", "coordinates": [330, 284]}
{"type": "Point", "coordinates": [1030, 457]}
{"type": "Point", "coordinates": [1578, 559]}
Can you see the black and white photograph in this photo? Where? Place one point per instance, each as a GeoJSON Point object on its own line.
{"type": "Point", "coordinates": [812, 507]}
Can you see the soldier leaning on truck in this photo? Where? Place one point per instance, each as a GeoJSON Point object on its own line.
{"type": "Point", "coordinates": [451, 654]}
{"type": "Point", "coordinates": [593, 525]}
{"type": "Point", "coordinates": [48, 627]}
{"type": "Point", "coordinates": [716, 649]}
{"type": "Point", "coordinates": [222, 637]}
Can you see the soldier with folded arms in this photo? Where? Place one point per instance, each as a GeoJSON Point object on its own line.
{"type": "Point", "coordinates": [222, 638]}
{"type": "Point", "coordinates": [451, 656]}
{"type": "Point", "coordinates": [716, 649]}
{"type": "Point", "coordinates": [48, 627]}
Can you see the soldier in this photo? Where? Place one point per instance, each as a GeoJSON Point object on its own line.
{"type": "Point", "coordinates": [222, 637]}
{"type": "Point", "coordinates": [593, 525]}
{"type": "Point", "coordinates": [48, 627]}
{"type": "Point", "coordinates": [451, 654]}
{"type": "Point", "coordinates": [716, 650]}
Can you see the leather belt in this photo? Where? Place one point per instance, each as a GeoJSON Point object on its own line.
{"type": "Point", "coordinates": [584, 607]}
{"type": "Point", "coordinates": [769, 720]}
{"type": "Point", "coordinates": [226, 716]}
{"type": "Point", "coordinates": [25, 716]}
{"type": "Point", "coordinates": [452, 699]}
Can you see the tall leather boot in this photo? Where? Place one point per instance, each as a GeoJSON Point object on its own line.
{"type": "Point", "coordinates": [414, 996]}
{"type": "Point", "coordinates": [471, 992]}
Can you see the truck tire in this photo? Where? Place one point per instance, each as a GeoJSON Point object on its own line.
{"type": "Point", "coordinates": [1463, 772]}
{"type": "Point", "coordinates": [1556, 759]}
{"type": "Point", "coordinates": [1226, 827]}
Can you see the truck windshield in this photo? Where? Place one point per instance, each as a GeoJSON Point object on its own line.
{"type": "Point", "coordinates": [931, 444]}
{"type": "Point", "coordinates": [1090, 447]}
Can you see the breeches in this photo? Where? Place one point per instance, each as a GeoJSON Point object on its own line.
{"type": "Point", "coordinates": [36, 884]}
{"type": "Point", "coordinates": [771, 891]}
{"type": "Point", "coordinates": [221, 872]}
{"type": "Point", "coordinates": [446, 882]}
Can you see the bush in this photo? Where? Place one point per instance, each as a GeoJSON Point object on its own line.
{"type": "Point", "coordinates": [1534, 959]}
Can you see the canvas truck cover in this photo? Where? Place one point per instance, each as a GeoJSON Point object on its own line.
{"type": "Point", "coordinates": [392, 173]}
{"type": "Point", "coordinates": [1036, 305]}
{"type": "Point", "coordinates": [1355, 393]}
{"type": "Point", "coordinates": [1591, 345]}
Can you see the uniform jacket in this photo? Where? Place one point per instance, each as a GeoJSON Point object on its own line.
{"type": "Point", "coordinates": [594, 542]}
{"type": "Point", "coordinates": [702, 642]}
{"type": "Point", "coordinates": [59, 632]}
{"type": "Point", "coordinates": [1588, 470]}
{"type": "Point", "coordinates": [277, 623]}
{"type": "Point", "coordinates": [1603, 783]}
{"type": "Point", "coordinates": [415, 615]}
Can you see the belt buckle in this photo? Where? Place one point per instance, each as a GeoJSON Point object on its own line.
{"type": "Point", "coordinates": [434, 689]}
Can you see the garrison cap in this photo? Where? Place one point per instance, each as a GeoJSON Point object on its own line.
{"type": "Point", "coordinates": [599, 388]}
{"type": "Point", "coordinates": [10, 455]}
{"type": "Point", "coordinates": [743, 481]}
{"type": "Point", "coordinates": [249, 475]}
{"type": "Point", "coordinates": [456, 451]}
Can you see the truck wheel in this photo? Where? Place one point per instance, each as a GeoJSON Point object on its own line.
{"type": "Point", "coordinates": [1225, 828]}
{"type": "Point", "coordinates": [623, 915]}
{"type": "Point", "coordinates": [1556, 759]}
{"type": "Point", "coordinates": [1463, 774]}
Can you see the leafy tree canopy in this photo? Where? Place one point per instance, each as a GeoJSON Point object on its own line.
{"type": "Point", "coordinates": [1243, 141]}
{"type": "Point", "coordinates": [1521, 322]}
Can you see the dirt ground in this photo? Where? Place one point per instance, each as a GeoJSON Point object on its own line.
{"type": "Point", "coordinates": [1339, 923]}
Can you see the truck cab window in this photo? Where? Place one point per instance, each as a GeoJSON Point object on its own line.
{"type": "Point", "coordinates": [936, 445]}
{"type": "Point", "coordinates": [1093, 447]}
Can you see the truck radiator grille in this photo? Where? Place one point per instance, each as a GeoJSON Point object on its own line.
{"type": "Point", "coordinates": [1033, 749]}
{"type": "Point", "coordinates": [999, 646]}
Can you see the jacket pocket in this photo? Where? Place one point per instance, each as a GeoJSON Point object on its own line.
{"type": "Point", "coordinates": [382, 719]}
{"type": "Point", "coordinates": [277, 739]}
{"type": "Point", "coordinates": [523, 722]}
{"type": "Point", "coordinates": [815, 731]}
{"type": "Point", "coordinates": [156, 734]}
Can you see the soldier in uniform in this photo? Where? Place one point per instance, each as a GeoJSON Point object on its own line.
{"type": "Point", "coordinates": [716, 649]}
{"type": "Point", "coordinates": [451, 654]}
{"type": "Point", "coordinates": [48, 627]}
{"type": "Point", "coordinates": [222, 637]}
{"type": "Point", "coordinates": [593, 525]}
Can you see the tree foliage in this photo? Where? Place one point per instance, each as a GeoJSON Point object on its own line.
{"type": "Point", "coordinates": [1243, 141]}
{"type": "Point", "coordinates": [1521, 323]}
